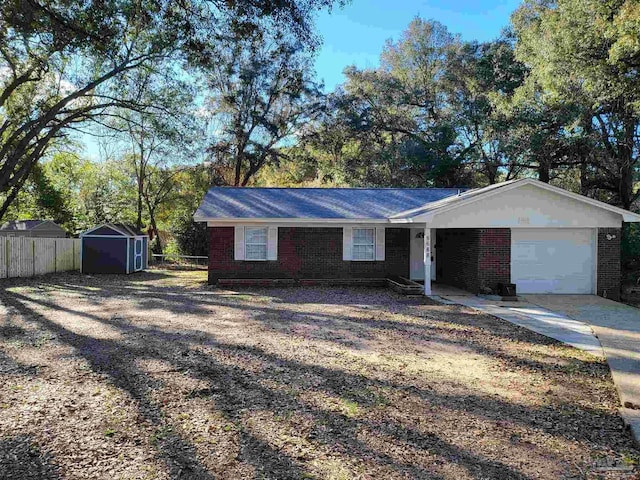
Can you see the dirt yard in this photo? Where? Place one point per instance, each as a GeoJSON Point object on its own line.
{"type": "Point", "coordinates": [158, 376]}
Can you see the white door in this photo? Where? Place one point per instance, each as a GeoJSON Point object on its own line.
{"type": "Point", "coordinates": [548, 260]}
{"type": "Point", "coordinates": [416, 254]}
{"type": "Point", "coordinates": [137, 259]}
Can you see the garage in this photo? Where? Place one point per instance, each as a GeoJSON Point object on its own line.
{"type": "Point", "coordinates": [553, 260]}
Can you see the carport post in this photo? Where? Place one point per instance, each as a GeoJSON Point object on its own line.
{"type": "Point", "coordinates": [427, 260]}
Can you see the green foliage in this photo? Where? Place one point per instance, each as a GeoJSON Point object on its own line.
{"type": "Point", "coordinates": [191, 237]}
{"type": "Point", "coordinates": [583, 57]}
{"type": "Point", "coordinates": [630, 247]}
{"type": "Point", "coordinates": [262, 93]}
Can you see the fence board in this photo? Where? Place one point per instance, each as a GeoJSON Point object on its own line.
{"type": "Point", "coordinates": [27, 256]}
{"type": "Point", "coordinates": [3, 258]}
{"type": "Point", "coordinates": [45, 256]}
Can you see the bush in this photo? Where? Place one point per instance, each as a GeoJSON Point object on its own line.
{"type": "Point", "coordinates": [191, 237]}
{"type": "Point", "coordinates": [630, 250]}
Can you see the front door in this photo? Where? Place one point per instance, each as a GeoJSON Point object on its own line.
{"type": "Point", "coordinates": [416, 254]}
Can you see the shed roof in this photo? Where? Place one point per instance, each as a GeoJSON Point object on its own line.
{"type": "Point", "coordinates": [123, 228]}
{"type": "Point", "coordinates": [28, 224]}
{"type": "Point", "coordinates": [315, 203]}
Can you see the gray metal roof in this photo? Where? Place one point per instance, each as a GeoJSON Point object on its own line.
{"type": "Point", "coordinates": [330, 203]}
{"type": "Point", "coordinates": [123, 228]}
{"type": "Point", "coordinates": [27, 224]}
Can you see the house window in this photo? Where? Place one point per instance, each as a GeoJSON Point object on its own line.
{"type": "Point", "coordinates": [364, 244]}
{"type": "Point", "coordinates": [255, 243]}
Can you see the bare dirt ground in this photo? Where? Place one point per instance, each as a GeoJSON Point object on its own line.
{"type": "Point", "coordinates": [158, 376]}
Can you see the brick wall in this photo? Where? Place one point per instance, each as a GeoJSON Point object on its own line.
{"type": "Point", "coordinates": [473, 258]}
{"type": "Point", "coordinates": [494, 261]}
{"type": "Point", "coordinates": [306, 253]}
{"type": "Point", "coordinates": [609, 276]}
{"type": "Point", "coordinates": [457, 258]}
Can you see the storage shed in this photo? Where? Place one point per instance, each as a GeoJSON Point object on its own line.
{"type": "Point", "coordinates": [113, 248]}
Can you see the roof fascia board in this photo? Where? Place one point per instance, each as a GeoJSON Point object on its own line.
{"type": "Point", "coordinates": [627, 216]}
{"type": "Point", "coordinates": [290, 220]}
{"type": "Point", "coordinates": [452, 199]}
{"type": "Point", "coordinates": [43, 223]}
{"type": "Point", "coordinates": [111, 227]}
{"type": "Point", "coordinates": [427, 216]}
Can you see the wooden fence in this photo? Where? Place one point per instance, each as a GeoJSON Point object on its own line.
{"type": "Point", "coordinates": [26, 256]}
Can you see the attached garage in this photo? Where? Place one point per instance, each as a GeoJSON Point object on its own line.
{"type": "Point", "coordinates": [541, 238]}
{"type": "Point", "coordinates": [554, 260]}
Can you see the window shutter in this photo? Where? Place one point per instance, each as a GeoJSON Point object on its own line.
{"type": "Point", "coordinates": [380, 232]}
{"type": "Point", "coordinates": [347, 240]}
{"type": "Point", "coordinates": [272, 243]}
{"type": "Point", "coordinates": [239, 244]}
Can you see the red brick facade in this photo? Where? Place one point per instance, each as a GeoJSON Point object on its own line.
{"type": "Point", "coordinates": [474, 259]}
{"type": "Point", "coordinates": [609, 276]}
{"type": "Point", "coordinates": [307, 253]}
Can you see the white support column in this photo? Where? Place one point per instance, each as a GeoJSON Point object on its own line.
{"type": "Point", "coordinates": [427, 260]}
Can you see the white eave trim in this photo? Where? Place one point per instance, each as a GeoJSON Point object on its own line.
{"type": "Point", "coordinates": [247, 221]}
{"type": "Point", "coordinates": [426, 216]}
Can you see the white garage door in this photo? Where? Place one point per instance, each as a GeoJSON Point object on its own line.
{"type": "Point", "coordinates": [553, 260]}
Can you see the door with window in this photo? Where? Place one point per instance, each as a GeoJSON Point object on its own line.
{"type": "Point", "coordinates": [137, 259]}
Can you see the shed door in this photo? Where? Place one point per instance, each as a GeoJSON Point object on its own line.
{"type": "Point", "coordinates": [137, 260]}
{"type": "Point", "coordinates": [548, 260]}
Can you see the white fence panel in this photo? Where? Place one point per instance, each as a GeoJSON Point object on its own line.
{"type": "Point", "coordinates": [45, 256]}
{"type": "Point", "coordinates": [14, 257]}
{"type": "Point", "coordinates": [3, 258]}
{"type": "Point", "coordinates": [26, 256]}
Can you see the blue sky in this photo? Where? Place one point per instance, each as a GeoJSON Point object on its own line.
{"type": "Point", "coordinates": [355, 34]}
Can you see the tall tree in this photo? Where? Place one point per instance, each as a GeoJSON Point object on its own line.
{"type": "Point", "coordinates": [585, 53]}
{"type": "Point", "coordinates": [61, 61]}
{"type": "Point", "coordinates": [262, 94]}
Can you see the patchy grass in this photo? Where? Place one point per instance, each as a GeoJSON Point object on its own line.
{"type": "Point", "coordinates": [158, 376]}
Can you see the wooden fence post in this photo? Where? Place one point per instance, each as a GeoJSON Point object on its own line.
{"type": "Point", "coordinates": [55, 256]}
{"type": "Point", "coordinates": [33, 257]}
{"type": "Point", "coordinates": [6, 255]}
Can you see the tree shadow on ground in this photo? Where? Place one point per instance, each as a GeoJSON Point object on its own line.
{"type": "Point", "coordinates": [237, 392]}
{"type": "Point", "coordinates": [21, 458]}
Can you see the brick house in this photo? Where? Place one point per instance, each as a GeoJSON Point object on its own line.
{"type": "Point", "coordinates": [542, 238]}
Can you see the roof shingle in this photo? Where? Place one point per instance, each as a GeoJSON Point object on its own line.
{"type": "Point", "coordinates": [320, 203]}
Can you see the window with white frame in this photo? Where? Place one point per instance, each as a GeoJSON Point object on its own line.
{"type": "Point", "coordinates": [364, 244]}
{"type": "Point", "coordinates": [255, 243]}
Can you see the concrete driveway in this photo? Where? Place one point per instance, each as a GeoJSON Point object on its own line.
{"type": "Point", "coordinates": [594, 324]}
{"type": "Point", "coordinates": [617, 326]}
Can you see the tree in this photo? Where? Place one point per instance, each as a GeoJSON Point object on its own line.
{"type": "Point", "coordinates": [262, 94]}
{"type": "Point", "coordinates": [62, 61]}
{"type": "Point", "coordinates": [156, 144]}
{"type": "Point", "coordinates": [585, 53]}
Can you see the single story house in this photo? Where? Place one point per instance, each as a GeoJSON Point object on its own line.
{"type": "Point", "coordinates": [32, 228]}
{"type": "Point", "coordinates": [539, 237]}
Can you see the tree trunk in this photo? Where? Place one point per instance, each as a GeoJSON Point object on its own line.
{"type": "Point", "coordinates": [154, 227]}
{"type": "Point", "coordinates": [544, 174]}
{"type": "Point", "coordinates": [626, 164]}
{"type": "Point", "coordinates": [139, 206]}
{"type": "Point", "coordinates": [584, 179]}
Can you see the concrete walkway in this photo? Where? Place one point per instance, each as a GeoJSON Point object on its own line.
{"type": "Point", "coordinates": [577, 320]}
